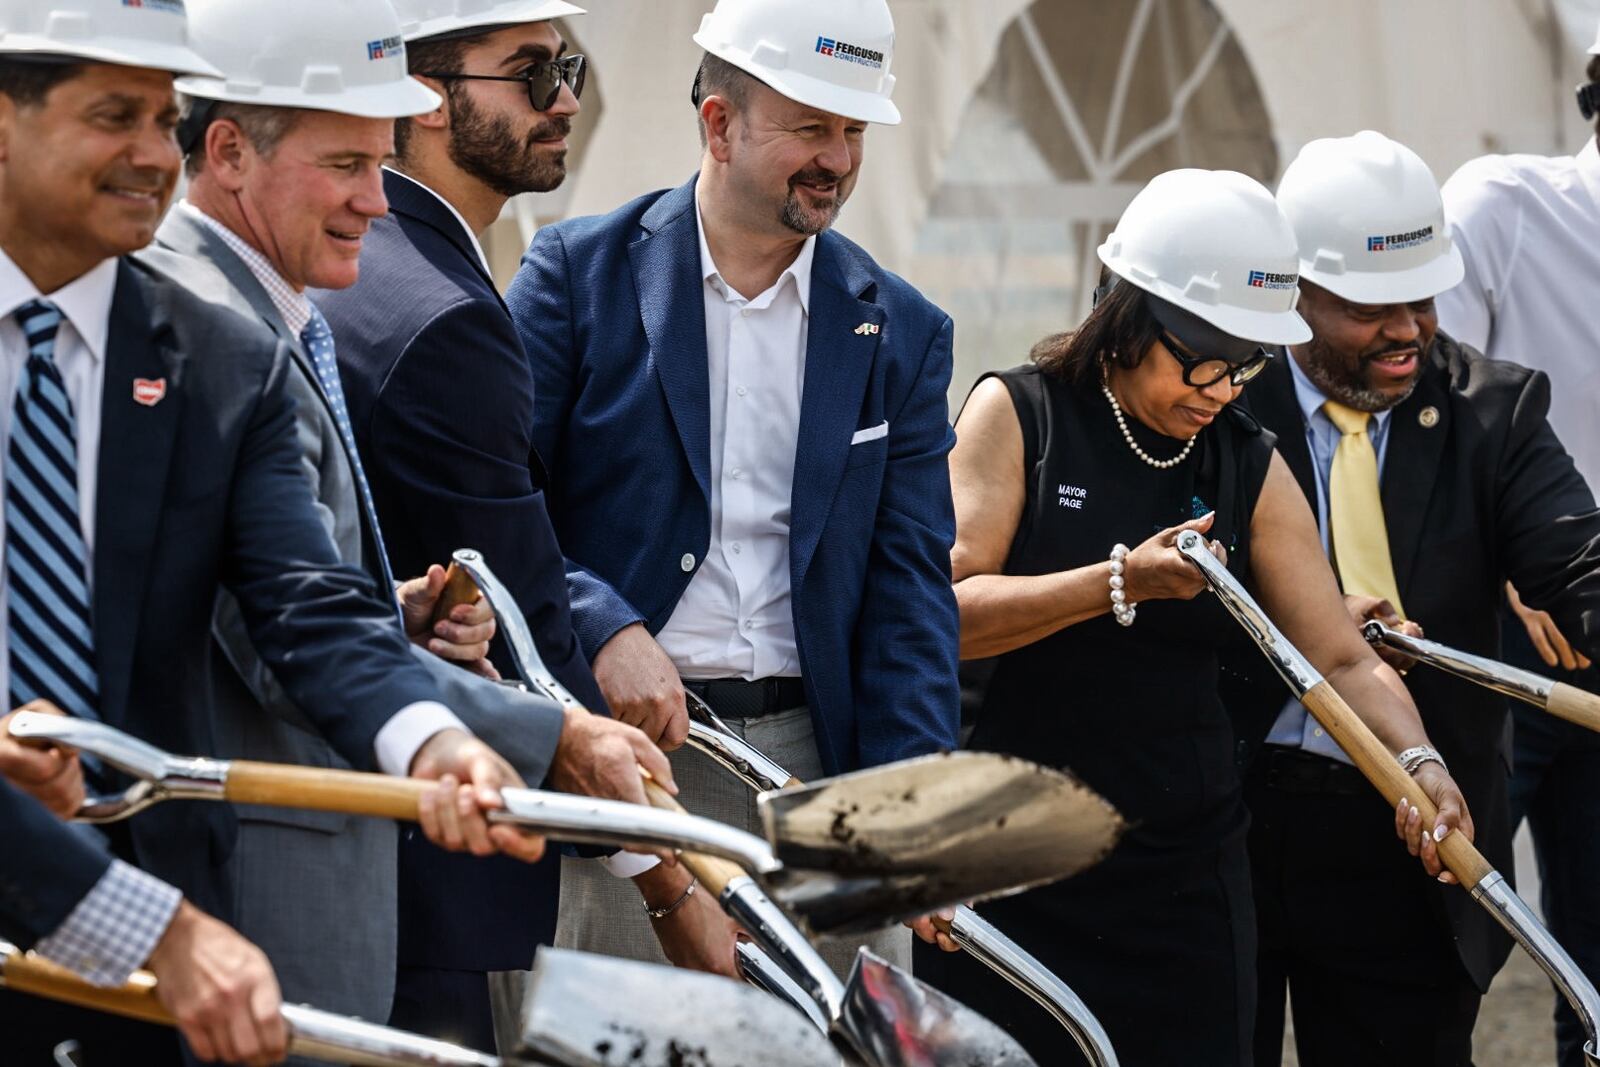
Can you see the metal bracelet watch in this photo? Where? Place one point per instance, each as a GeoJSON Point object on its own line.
{"type": "Point", "coordinates": [1415, 757]}
{"type": "Point", "coordinates": [662, 913]}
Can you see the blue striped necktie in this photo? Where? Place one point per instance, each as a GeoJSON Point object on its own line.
{"type": "Point", "coordinates": [317, 338]}
{"type": "Point", "coordinates": [49, 632]}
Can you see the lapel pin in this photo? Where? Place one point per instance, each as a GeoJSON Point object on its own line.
{"type": "Point", "coordinates": [1428, 417]}
{"type": "Point", "coordinates": [149, 391]}
{"type": "Point", "coordinates": [866, 329]}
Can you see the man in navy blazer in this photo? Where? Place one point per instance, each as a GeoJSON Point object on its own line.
{"type": "Point", "coordinates": [746, 426]}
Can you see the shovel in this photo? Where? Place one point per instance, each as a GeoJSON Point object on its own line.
{"type": "Point", "coordinates": [897, 824]}
{"type": "Point", "coordinates": [709, 734]}
{"type": "Point", "coordinates": [581, 1011]}
{"type": "Point", "coordinates": [1557, 698]}
{"type": "Point", "coordinates": [1487, 885]}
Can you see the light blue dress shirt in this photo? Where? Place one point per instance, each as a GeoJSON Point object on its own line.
{"type": "Point", "coordinates": [1294, 727]}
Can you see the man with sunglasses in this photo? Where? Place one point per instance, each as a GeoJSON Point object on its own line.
{"type": "Point", "coordinates": [1435, 477]}
{"type": "Point", "coordinates": [441, 401]}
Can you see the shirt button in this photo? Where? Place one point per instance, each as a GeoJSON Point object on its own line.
{"type": "Point", "coordinates": [742, 390]}
{"type": "Point", "coordinates": [687, 562]}
{"type": "Point", "coordinates": [745, 313]}
{"type": "Point", "coordinates": [748, 625]}
{"type": "Point", "coordinates": [737, 548]}
{"type": "Point", "coordinates": [1317, 732]}
{"type": "Point", "coordinates": [737, 473]}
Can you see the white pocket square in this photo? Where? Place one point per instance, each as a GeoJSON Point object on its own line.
{"type": "Point", "coordinates": [871, 433]}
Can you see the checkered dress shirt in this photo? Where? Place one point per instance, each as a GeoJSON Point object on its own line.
{"type": "Point", "coordinates": [114, 928]}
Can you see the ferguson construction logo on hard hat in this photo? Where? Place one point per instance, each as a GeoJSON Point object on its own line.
{"type": "Point", "coordinates": [1266, 279]}
{"type": "Point", "coordinates": [850, 53]}
{"type": "Point", "coordinates": [173, 6]}
{"type": "Point", "coordinates": [1395, 241]}
{"type": "Point", "coordinates": [387, 47]}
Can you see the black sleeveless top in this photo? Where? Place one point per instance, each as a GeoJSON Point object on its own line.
{"type": "Point", "coordinates": [1133, 710]}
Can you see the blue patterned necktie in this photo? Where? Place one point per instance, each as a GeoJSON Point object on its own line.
{"type": "Point", "coordinates": [49, 630]}
{"type": "Point", "coordinates": [317, 338]}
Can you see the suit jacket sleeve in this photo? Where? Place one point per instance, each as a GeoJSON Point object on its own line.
{"type": "Point", "coordinates": [329, 635]}
{"type": "Point", "coordinates": [907, 637]}
{"type": "Point", "coordinates": [540, 300]}
{"type": "Point", "coordinates": [1547, 524]}
{"type": "Point", "coordinates": [45, 868]}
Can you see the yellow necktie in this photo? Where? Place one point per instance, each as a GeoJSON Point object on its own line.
{"type": "Point", "coordinates": [1360, 536]}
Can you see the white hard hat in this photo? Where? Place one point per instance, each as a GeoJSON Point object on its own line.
{"type": "Point", "coordinates": [151, 33]}
{"type": "Point", "coordinates": [421, 19]}
{"type": "Point", "coordinates": [1370, 220]}
{"type": "Point", "coordinates": [1214, 243]}
{"type": "Point", "coordinates": [345, 56]}
{"type": "Point", "coordinates": [833, 55]}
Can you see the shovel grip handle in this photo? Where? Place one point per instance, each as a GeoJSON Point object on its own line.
{"type": "Point", "coordinates": [459, 588]}
{"type": "Point", "coordinates": [1380, 768]}
{"type": "Point", "coordinates": [1575, 705]}
{"type": "Point", "coordinates": [135, 1000]}
{"type": "Point", "coordinates": [714, 872]}
{"type": "Point", "coordinates": [379, 796]}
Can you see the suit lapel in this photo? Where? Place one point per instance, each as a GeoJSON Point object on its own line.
{"type": "Point", "coordinates": [136, 443]}
{"type": "Point", "coordinates": [414, 201]}
{"type": "Point", "coordinates": [1411, 469]}
{"type": "Point", "coordinates": [838, 364]}
{"type": "Point", "coordinates": [666, 272]}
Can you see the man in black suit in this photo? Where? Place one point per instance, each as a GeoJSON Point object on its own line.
{"type": "Point", "coordinates": [141, 473]}
{"type": "Point", "coordinates": [1435, 477]}
{"type": "Point", "coordinates": [441, 399]}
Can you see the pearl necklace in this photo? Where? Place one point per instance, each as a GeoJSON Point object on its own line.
{"type": "Point", "coordinates": [1159, 464]}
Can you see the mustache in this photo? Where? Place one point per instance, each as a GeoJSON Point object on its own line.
{"type": "Point", "coordinates": [560, 126]}
{"type": "Point", "coordinates": [814, 176]}
{"type": "Point", "coordinates": [147, 180]}
{"type": "Point", "coordinates": [1406, 349]}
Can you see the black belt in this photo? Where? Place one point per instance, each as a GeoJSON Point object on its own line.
{"type": "Point", "coordinates": [1294, 770]}
{"type": "Point", "coordinates": [736, 698]}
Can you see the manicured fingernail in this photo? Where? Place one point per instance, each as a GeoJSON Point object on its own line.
{"type": "Point", "coordinates": [1440, 831]}
{"type": "Point", "coordinates": [1404, 803]}
{"type": "Point", "coordinates": [1443, 879]}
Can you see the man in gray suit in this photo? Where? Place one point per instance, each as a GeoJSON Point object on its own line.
{"type": "Point", "coordinates": [279, 197]}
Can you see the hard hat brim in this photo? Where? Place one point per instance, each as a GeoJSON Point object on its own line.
{"type": "Point", "coordinates": [1263, 327]}
{"type": "Point", "coordinates": [395, 100]}
{"type": "Point", "coordinates": [513, 14]}
{"type": "Point", "coordinates": [153, 55]}
{"type": "Point", "coordinates": [812, 92]}
{"type": "Point", "coordinates": [1392, 287]}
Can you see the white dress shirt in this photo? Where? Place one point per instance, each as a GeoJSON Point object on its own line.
{"type": "Point", "coordinates": [1294, 727]}
{"type": "Point", "coordinates": [735, 619]}
{"type": "Point", "coordinates": [1529, 228]}
{"type": "Point", "coordinates": [80, 356]}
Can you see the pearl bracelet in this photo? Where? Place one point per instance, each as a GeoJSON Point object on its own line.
{"type": "Point", "coordinates": [1120, 607]}
{"type": "Point", "coordinates": [1412, 758]}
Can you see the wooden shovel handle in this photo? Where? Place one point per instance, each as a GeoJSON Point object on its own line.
{"type": "Point", "coordinates": [459, 588]}
{"type": "Point", "coordinates": [1380, 768]}
{"type": "Point", "coordinates": [1574, 705]}
{"type": "Point", "coordinates": [135, 1000]}
{"type": "Point", "coordinates": [714, 872]}
{"type": "Point", "coordinates": [380, 796]}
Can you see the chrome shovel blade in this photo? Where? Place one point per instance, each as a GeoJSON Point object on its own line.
{"type": "Point", "coordinates": [894, 1020]}
{"type": "Point", "coordinates": [594, 1011]}
{"type": "Point", "coordinates": [863, 850]}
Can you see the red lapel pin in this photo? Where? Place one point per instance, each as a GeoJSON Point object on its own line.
{"type": "Point", "coordinates": [149, 391]}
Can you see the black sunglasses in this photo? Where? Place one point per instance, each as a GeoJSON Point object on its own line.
{"type": "Point", "coordinates": [543, 79]}
{"type": "Point", "coordinates": [1203, 371]}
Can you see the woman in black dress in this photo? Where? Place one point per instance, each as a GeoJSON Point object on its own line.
{"type": "Point", "coordinates": [1121, 434]}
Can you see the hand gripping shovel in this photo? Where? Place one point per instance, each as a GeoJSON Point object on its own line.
{"type": "Point", "coordinates": [1557, 698]}
{"type": "Point", "coordinates": [581, 1011]}
{"type": "Point", "coordinates": [884, 837]}
{"type": "Point", "coordinates": [995, 950]}
{"type": "Point", "coordinates": [1487, 885]}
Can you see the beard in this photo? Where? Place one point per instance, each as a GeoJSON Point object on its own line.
{"type": "Point", "coordinates": [486, 147]}
{"type": "Point", "coordinates": [1326, 371]}
{"type": "Point", "coordinates": [811, 221]}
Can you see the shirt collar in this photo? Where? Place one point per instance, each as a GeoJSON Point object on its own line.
{"type": "Point", "coordinates": [85, 301]}
{"type": "Point", "coordinates": [294, 306]}
{"type": "Point", "coordinates": [1311, 399]}
{"type": "Point", "coordinates": [799, 270]}
{"type": "Point", "coordinates": [477, 246]}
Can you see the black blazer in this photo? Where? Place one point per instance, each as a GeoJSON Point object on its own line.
{"type": "Point", "coordinates": [441, 399]}
{"type": "Point", "coordinates": [1480, 494]}
{"type": "Point", "coordinates": [45, 868]}
{"type": "Point", "coordinates": [205, 487]}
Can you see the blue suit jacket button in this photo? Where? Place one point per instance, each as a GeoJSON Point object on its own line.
{"type": "Point", "coordinates": [687, 562]}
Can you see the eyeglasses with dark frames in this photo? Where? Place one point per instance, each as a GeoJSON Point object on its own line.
{"type": "Point", "coordinates": [1203, 371]}
{"type": "Point", "coordinates": [543, 80]}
